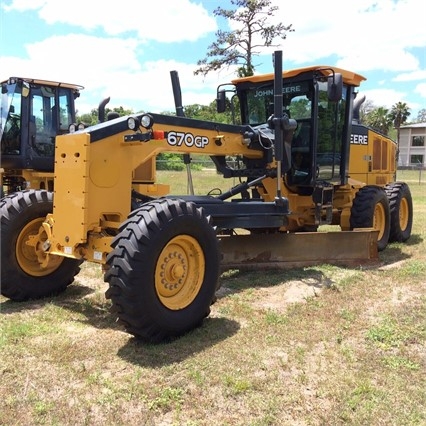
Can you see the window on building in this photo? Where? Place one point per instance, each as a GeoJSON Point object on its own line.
{"type": "Point", "coordinates": [418, 141]}
{"type": "Point", "coordinates": [416, 159]}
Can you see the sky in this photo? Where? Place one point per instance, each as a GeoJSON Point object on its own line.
{"type": "Point", "coordinates": [126, 49]}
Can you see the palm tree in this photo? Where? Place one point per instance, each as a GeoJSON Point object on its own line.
{"type": "Point", "coordinates": [379, 119]}
{"type": "Point", "coordinates": [399, 114]}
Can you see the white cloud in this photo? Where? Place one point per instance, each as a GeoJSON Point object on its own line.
{"type": "Point", "coordinates": [421, 90]}
{"type": "Point", "coordinates": [364, 36]}
{"type": "Point", "coordinates": [82, 58]}
{"type": "Point", "coordinates": [384, 97]}
{"type": "Point", "coordinates": [23, 5]}
{"type": "Point", "coordinates": [129, 83]}
{"type": "Point", "coordinates": [388, 97]}
{"type": "Point", "coordinates": [150, 89]}
{"type": "Point", "coordinates": [412, 76]}
{"type": "Point", "coordinates": [159, 20]}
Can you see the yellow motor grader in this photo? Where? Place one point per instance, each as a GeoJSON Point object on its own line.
{"type": "Point", "coordinates": [301, 159]}
{"type": "Point", "coordinates": [32, 113]}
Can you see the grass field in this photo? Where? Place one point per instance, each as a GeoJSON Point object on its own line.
{"type": "Point", "coordinates": [319, 345]}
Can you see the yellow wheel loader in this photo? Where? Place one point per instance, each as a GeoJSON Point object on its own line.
{"type": "Point", "coordinates": [302, 161]}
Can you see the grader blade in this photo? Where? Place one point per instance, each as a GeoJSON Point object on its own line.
{"type": "Point", "coordinates": [283, 251]}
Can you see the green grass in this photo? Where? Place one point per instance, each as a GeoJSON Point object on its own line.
{"type": "Point", "coordinates": [319, 345]}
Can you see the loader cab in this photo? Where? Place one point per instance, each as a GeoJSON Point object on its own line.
{"type": "Point", "coordinates": [320, 100]}
{"type": "Point", "coordinates": [32, 113]}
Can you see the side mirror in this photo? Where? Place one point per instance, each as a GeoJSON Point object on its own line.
{"type": "Point", "coordinates": [221, 101]}
{"type": "Point", "coordinates": [335, 87]}
{"type": "Point", "coordinates": [25, 89]}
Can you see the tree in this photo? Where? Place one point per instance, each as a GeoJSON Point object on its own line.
{"type": "Point", "coordinates": [208, 113]}
{"type": "Point", "coordinates": [399, 114]}
{"type": "Point", "coordinates": [92, 117]}
{"type": "Point", "coordinates": [239, 46]}
{"type": "Point", "coordinates": [379, 119]}
{"type": "Point", "coordinates": [366, 108]}
{"type": "Point", "coordinates": [421, 116]}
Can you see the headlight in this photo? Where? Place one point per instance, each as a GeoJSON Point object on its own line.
{"type": "Point", "coordinates": [132, 123]}
{"type": "Point", "coordinates": [73, 127]}
{"type": "Point", "coordinates": [147, 121]}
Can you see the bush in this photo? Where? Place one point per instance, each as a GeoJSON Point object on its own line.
{"type": "Point", "coordinates": [168, 161]}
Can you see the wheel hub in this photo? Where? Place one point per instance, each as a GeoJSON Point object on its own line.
{"type": "Point", "coordinates": [173, 273]}
{"type": "Point", "coordinates": [180, 272]}
{"type": "Point", "coordinates": [30, 250]}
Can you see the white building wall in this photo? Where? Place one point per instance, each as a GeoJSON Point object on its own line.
{"type": "Point", "coordinates": [406, 150]}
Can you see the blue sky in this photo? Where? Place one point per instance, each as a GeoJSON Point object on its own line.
{"type": "Point", "coordinates": [127, 49]}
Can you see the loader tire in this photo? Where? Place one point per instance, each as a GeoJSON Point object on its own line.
{"type": "Point", "coordinates": [401, 211]}
{"type": "Point", "coordinates": [22, 277]}
{"type": "Point", "coordinates": [163, 270]}
{"type": "Point", "coordinates": [370, 209]}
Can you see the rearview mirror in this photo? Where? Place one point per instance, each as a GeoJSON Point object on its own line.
{"type": "Point", "coordinates": [334, 87]}
{"type": "Point", "coordinates": [221, 101]}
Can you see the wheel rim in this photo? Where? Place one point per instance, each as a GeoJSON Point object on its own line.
{"type": "Point", "coordinates": [29, 251]}
{"type": "Point", "coordinates": [379, 220]}
{"type": "Point", "coordinates": [403, 214]}
{"type": "Point", "coordinates": [179, 273]}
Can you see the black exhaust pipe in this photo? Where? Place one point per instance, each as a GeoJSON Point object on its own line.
{"type": "Point", "coordinates": [101, 109]}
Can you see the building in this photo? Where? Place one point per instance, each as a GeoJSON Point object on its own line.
{"type": "Point", "coordinates": [412, 145]}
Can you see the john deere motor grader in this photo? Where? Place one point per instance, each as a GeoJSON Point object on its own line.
{"type": "Point", "coordinates": [32, 113]}
{"type": "Point", "coordinates": [162, 253]}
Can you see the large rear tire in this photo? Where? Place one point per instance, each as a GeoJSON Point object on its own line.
{"type": "Point", "coordinates": [22, 276]}
{"type": "Point", "coordinates": [163, 270]}
{"type": "Point", "coordinates": [401, 211]}
{"type": "Point", "coordinates": [370, 209]}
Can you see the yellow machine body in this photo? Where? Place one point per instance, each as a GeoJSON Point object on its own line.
{"type": "Point", "coordinates": [301, 158]}
{"type": "Point", "coordinates": [94, 180]}
{"type": "Point", "coordinates": [373, 158]}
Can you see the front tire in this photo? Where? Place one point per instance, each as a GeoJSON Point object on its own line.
{"type": "Point", "coordinates": [22, 276]}
{"type": "Point", "coordinates": [401, 211]}
{"type": "Point", "coordinates": [370, 209]}
{"type": "Point", "coordinates": [163, 270]}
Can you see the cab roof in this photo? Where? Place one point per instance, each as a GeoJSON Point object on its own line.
{"type": "Point", "coordinates": [349, 77]}
{"type": "Point", "coordinates": [12, 80]}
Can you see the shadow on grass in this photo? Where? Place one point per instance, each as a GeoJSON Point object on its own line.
{"type": "Point", "coordinates": [394, 252]}
{"type": "Point", "coordinates": [77, 298]}
{"type": "Point", "coordinates": [210, 333]}
{"type": "Point", "coordinates": [414, 239]}
{"type": "Point", "coordinates": [89, 307]}
{"type": "Point", "coordinates": [236, 280]}
{"type": "Point", "coordinates": [72, 291]}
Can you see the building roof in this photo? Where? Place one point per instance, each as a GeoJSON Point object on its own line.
{"type": "Point", "coordinates": [413, 126]}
